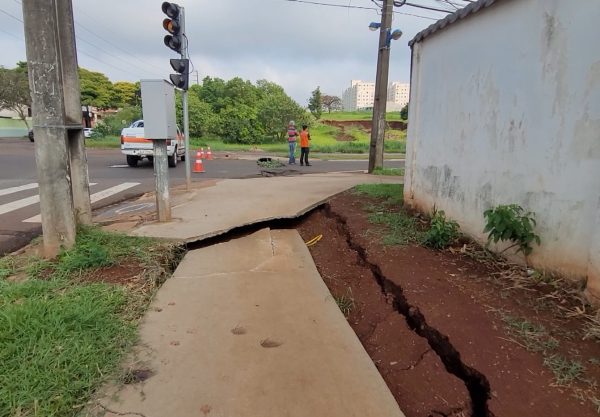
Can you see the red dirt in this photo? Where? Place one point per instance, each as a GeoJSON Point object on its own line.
{"type": "Point", "coordinates": [458, 298]}
{"type": "Point", "coordinates": [364, 124]}
{"type": "Point", "coordinates": [130, 274]}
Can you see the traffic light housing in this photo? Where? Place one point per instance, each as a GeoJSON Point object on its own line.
{"type": "Point", "coordinates": [173, 25]}
{"type": "Point", "coordinates": [182, 78]}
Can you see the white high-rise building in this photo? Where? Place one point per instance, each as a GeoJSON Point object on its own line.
{"type": "Point", "coordinates": [361, 96]}
{"type": "Point", "coordinates": [399, 93]}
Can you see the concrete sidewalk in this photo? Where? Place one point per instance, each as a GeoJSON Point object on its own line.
{"type": "Point", "coordinates": [247, 328]}
{"type": "Point", "coordinates": [228, 204]}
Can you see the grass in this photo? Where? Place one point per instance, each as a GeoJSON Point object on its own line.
{"type": "Point", "coordinates": [389, 171]}
{"type": "Point", "coordinates": [534, 337]}
{"type": "Point", "coordinates": [391, 194]}
{"type": "Point", "coordinates": [357, 115]}
{"type": "Point", "coordinates": [401, 228]}
{"type": "Point", "coordinates": [61, 337]}
{"type": "Point", "coordinates": [323, 141]}
{"type": "Point", "coordinates": [345, 302]}
{"type": "Point", "coordinates": [565, 370]}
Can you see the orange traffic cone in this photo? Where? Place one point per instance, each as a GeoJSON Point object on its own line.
{"type": "Point", "coordinates": [209, 154]}
{"type": "Point", "coordinates": [201, 153]}
{"type": "Point", "coordinates": [198, 166]}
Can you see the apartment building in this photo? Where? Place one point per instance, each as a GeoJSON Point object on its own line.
{"type": "Point", "coordinates": [361, 96]}
{"type": "Point", "coordinates": [399, 93]}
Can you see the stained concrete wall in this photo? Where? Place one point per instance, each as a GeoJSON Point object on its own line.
{"type": "Point", "coordinates": [505, 108]}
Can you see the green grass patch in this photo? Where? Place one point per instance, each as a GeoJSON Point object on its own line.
{"type": "Point", "coordinates": [62, 337]}
{"type": "Point", "coordinates": [565, 370]}
{"type": "Point", "coordinates": [401, 228]}
{"type": "Point", "coordinates": [391, 194]}
{"type": "Point", "coordinates": [107, 142]}
{"type": "Point", "coordinates": [357, 115]}
{"type": "Point", "coordinates": [534, 337]}
{"type": "Point", "coordinates": [389, 171]}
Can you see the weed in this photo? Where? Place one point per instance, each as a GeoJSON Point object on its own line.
{"type": "Point", "coordinates": [7, 267]}
{"type": "Point", "coordinates": [442, 232]}
{"type": "Point", "coordinates": [534, 336]}
{"type": "Point", "coordinates": [402, 229]}
{"type": "Point", "coordinates": [511, 223]}
{"type": "Point", "coordinates": [389, 171]}
{"type": "Point", "coordinates": [345, 302]}
{"type": "Point", "coordinates": [565, 371]}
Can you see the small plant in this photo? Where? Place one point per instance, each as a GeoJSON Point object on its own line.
{"type": "Point", "coordinates": [511, 223]}
{"type": "Point", "coordinates": [442, 231]}
{"type": "Point", "coordinates": [345, 302]}
{"type": "Point", "coordinates": [565, 371]}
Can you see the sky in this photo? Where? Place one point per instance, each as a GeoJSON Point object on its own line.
{"type": "Point", "coordinates": [297, 45]}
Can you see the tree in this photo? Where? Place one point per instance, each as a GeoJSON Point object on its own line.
{"type": "Point", "coordinates": [96, 89]}
{"type": "Point", "coordinates": [14, 92]}
{"type": "Point", "coordinates": [125, 93]}
{"type": "Point", "coordinates": [404, 112]}
{"type": "Point", "coordinates": [239, 123]}
{"type": "Point", "coordinates": [314, 103]}
{"type": "Point", "coordinates": [213, 93]}
{"type": "Point", "coordinates": [331, 103]}
{"type": "Point", "coordinates": [276, 109]}
{"type": "Point", "coordinates": [203, 121]}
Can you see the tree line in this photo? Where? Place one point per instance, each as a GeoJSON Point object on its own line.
{"type": "Point", "coordinates": [236, 110]}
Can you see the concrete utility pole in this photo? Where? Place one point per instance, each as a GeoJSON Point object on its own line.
{"type": "Point", "coordinates": [379, 107]}
{"type": "Point", "coordinates": [59, 148]}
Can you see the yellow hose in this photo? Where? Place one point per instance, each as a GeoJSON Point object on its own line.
{"type": "Point", "coordinates": [314, 240]}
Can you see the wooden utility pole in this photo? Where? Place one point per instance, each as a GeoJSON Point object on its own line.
{"type": "Point", "coordinates": [59, 141]}
{"type": "Point", "coordinates": [376, 148]}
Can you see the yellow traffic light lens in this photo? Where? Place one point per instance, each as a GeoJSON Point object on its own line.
{"type": "Point", "coordinates": [171, 26]}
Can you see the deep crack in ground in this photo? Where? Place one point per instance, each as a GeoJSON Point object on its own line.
{"type": "Point", "coordinates": [476, 383]}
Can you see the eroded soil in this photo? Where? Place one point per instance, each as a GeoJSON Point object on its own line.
{"type": "Point", "coordinates": [448, 336]}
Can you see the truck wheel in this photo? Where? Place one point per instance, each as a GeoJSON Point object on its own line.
{"type": "Point", "coordinates": [173, 159]}
{"type": "Point", "coordinates": [183, 157]}
{"type": "Point", "coordinates": [151, 159]}
{"type": "Point", "coordinates": [132, 160]}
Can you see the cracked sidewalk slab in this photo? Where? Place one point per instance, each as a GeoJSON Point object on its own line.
{"type": "Point", "coordinates": [230, 204]}
{"type": "Point", "coordinates": [238, 335]}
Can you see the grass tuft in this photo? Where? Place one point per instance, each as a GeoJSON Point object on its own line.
{"type": "Point", "coordinates": [345, 302]}
{"type": "Point", "coordinates": [565, 370]}
{"type": "Point", "coordinates": [389, 171]}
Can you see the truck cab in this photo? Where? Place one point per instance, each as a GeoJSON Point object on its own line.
{"type": "Point", "coordinates": [135, 146]}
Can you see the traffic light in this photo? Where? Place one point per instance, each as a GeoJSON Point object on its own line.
{"type": "Point", "coordinates": [173, 25]}
{"type": "Point", "coordinates": [182, 67]}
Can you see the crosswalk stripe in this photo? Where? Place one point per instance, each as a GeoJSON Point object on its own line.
{"type": "Point", "coordinates": [101, 195]}
{"type": "Point", "coordinates": [19, 204]}
{"type": "Point", "coordinates": [24, 202]}
{"type": "Point", "coordinates": [12, 190]}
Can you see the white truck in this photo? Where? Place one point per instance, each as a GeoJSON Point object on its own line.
{"type": "Point", "coordinates": [136, 146]}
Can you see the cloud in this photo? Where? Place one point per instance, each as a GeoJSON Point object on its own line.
{"type": "Point", "coordinates": [299, 46]}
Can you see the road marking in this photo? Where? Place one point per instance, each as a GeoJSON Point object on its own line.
{"type": "Point", "coordinates": [119, 166]}
{"type": "Point", "coordinates": [134, 207]}
{"type": "Point", "coordinates": [12, 190]}
{"type": "Point", "coordinates": [19, 204]}
{"type": "Point", "coordinates": [93, 198]}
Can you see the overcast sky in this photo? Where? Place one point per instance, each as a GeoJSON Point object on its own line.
{"type": "Point", "coordinates": [297, 45]}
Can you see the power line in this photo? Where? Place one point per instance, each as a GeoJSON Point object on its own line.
{"type": "Point", "coordinates": [347, 6]}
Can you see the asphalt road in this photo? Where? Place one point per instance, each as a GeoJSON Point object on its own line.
{"type": "Point", "coordinates": [112, 181]}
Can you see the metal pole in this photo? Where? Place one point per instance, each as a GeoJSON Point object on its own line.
{"type": "Point", "coordinates": [186, 119]}
{"type": "Point", "coordinates": [50, 128]}
{"type": "Point", "coordinates": [73, 113]}
{"type": "Point", "coordinates": [376, 149]}
{"type": "Point", "coordinates": [161, 176]}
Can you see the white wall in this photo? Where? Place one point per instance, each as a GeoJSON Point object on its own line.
{"type": "Point", "coordinates": [505, 108]}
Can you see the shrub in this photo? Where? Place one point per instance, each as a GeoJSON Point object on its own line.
{"type": "Point", "coordinates": [442, 231]}
{"type": "Point", "coordinates": [511, 223]}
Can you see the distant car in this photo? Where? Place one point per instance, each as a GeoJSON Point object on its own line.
{"type": "Point", "coordinates": [87, 132]}
{"type": "Point", "coordinates": [30, 135]}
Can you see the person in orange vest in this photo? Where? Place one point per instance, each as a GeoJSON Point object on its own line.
{"type": "Point", "coordinates": [304, 146]}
